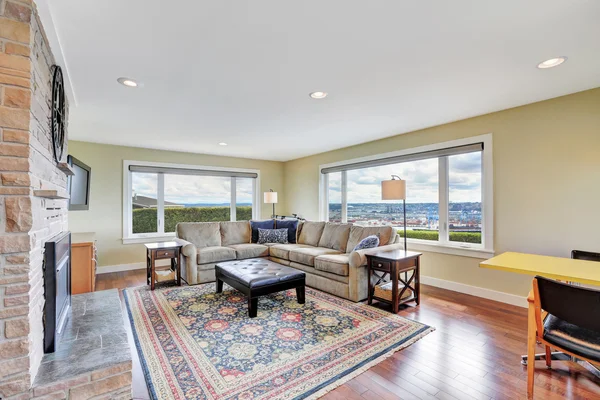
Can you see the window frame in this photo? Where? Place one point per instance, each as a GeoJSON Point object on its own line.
{"type": "Point", "coordinates": [443, 245]}
{"type": "Point", "coordinates": [129, 237]}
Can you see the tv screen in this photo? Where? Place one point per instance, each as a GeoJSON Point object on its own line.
{"type": "Point", "coordinates": [79, 185]}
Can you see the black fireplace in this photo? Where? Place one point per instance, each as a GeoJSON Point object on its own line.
{"type": "Point", "coordinates": [57, 288]}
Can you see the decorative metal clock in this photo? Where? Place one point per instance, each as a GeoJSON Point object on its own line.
{"type": "Point", "coordinates": [57, 124]}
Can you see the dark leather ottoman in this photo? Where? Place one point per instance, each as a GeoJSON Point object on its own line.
{"type": "Point", "coordinates": [258, 277]}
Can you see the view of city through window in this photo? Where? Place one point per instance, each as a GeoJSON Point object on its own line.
{"type": "Point", "coordinates": [187, 198]}
{"type": "Point", "coordinates": [365, 207]}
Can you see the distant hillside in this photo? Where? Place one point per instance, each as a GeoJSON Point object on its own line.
{"type": "Point", "coordinates": [214, 204]}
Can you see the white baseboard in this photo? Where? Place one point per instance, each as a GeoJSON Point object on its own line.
{"type": "Point", "coordinates": [127, 267]}
{"type": "Point", "coordinates": [476, 291]}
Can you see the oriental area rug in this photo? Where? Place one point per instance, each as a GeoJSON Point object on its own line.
{"type": "Point", "coordinates": [196, 344]}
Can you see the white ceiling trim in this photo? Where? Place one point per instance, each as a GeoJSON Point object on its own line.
{"type": "Point", "coordinates": [45, 13]}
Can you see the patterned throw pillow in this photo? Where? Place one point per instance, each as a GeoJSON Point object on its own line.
{"type": "Point", "coordinates": [291, 225]}
{"type": "Point", "coordinates": [368, 243]}
{"type": "Point", "coordinates": [255, 225]}
{"type": "Point", "coordinates": [272, 236]}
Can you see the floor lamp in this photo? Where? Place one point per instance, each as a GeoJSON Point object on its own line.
{"type": "Point", "coordinates": [395, 189]}
{"type": "Point", "coordinates": [271, 198]}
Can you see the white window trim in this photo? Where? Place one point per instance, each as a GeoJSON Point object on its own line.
{"type": "Point", "coordinates": [486, 249]}
{"type": "Point", "coordinates": [130, 238]}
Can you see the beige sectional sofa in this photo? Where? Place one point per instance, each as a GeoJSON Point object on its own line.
{"type": "Point", "coordinates": [323, 251]}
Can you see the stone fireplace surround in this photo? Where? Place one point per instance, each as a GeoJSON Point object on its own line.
{"type": "Point", "coordinates": [33, 209]}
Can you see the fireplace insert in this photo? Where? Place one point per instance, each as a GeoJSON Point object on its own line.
{"type": "Point", "coordinates": [57, 288]}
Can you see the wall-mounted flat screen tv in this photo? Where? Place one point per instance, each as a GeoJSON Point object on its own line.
{"type": "Point", "coordinates": [79, 185]}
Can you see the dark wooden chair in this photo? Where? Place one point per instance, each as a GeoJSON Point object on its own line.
{"type": "Point", "coordinates": [567, 318]}
{"type": "Point", "coordinates": [585, 255]}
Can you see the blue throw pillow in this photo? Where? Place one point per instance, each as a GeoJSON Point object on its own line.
{"type": "Point", "coordinates": [292, 227]}
{"type": "Point", "coordinates": [255, 225]}
{"type": "Point", "coordinates": [369, 242]}
{"type": "Point", "coordinates": [272, 236]}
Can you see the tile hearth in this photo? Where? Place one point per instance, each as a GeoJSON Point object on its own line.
{"type": "Point", "coordinates": [94, 352]}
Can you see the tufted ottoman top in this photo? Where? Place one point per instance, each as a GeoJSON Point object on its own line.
{"type": "Point", "coordinates": [258, 272]}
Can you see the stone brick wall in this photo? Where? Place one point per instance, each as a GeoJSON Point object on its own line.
{"type": "Point", "coordinates": [112, 383]}
{"type": "Point", "coordinates": [26, 164]}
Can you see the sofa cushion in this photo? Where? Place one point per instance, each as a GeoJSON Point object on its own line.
{"type": "Point", "coordinates": [266, 224]}
{"type": "Point", "coordinates": [215, 254]}
{"type": "Point", "coordinates": [235, 232]}
{"type": "Point", "coordinates": [249, 250]}
{"type": "Point", "coordinates": [292, 227]}
{"type": "Point", "coordinates": [335, 236]}
{"type": "Point", "coordinates": [283, 250]}
{"type": "Point", "coordinates": [273, 236]}
{"type": "Point", "coordinates": [202, 234]}
{"type": "Point", "coordinates": [334, 263]}
{"type": "Point", "coordinates": [307, 255]}
{"type": "Point", "coordinates": [311, 233]}
{"type": "Point", "coordinates": [369, 242]}
{"type": "Point", "coordinates": [387, 235]}
{"type": "Point", "coordinates": [311, 271]}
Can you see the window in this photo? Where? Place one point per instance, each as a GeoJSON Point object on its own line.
{"type": "Point", "coordinates": [243, 199]}
{"type": "Point", "coordinates": [159, 196]}
{"type": "Point", "coordinates": [464, 198]}
{"type": "Point", "coordinates": [334, 193]}
{"type": "Point", "coordinates": [445, 204]}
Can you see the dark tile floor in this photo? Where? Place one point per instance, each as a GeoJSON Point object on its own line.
{"type": "Point", "coordinates": [93, 338]}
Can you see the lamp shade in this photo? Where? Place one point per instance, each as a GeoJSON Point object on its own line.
{"type": "Point", "coordinates": [394, 189]}
{"type": "Point", "coordinates": [270, 197]}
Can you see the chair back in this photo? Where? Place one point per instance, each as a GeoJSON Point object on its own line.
{"type": "Point", "coordinates": [574, 304]}
{"type": "Point", "coordinates": [585, 255]}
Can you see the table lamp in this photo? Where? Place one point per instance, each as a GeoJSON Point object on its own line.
{"type": "Point", "coordinates": [395, 189]}
{"type": "Point", "coordinates": [271, 198]}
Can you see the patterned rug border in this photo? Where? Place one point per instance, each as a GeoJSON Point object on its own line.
{"type": "Point", "coordinates": [317, 392]}
{"type": "Point", "coordinates": [149, 384]}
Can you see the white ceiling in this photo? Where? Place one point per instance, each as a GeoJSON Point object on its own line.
{"type": "Point", "coordinates": [240, 71]}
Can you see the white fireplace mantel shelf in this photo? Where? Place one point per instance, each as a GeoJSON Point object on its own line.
{"type": "Point", "coordinates": [52, 194]}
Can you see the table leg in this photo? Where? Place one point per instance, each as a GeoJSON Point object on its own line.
{"type": "Point", "coordinates": [147, 268]}
{"type": "Point", "coordinates": [395, 299]}
{"type": "Point", "coordinates": [152, 268]}
{"type": "Point", "coordinates": [418, 280]}
{"type": "Point", "coordinates": [252, 306]}
{"type": "Point", "coordinates": [219, 286]}
{"type": "Point", "coordinates": [531, 342]}
{"type": "Point", "coordinates": [369, 277]}
{"type": "Point", "coordinates": [178, 269]}
{"type": "Point", "coordinates": [300, 294]}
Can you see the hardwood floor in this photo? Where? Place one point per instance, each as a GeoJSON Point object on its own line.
{"type": "Point", "coordinates": [473, 354]}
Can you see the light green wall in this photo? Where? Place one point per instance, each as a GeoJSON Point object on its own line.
{"type": "Point", "coordinates": [546, 182]}
{"type": "Point", "coordinates": [106, 198]}
{"type": "Point", "coordinates": [546, 191]}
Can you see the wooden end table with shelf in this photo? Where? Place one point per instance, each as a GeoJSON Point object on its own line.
{"type": "Point", "coordinates": [162, 251]}
{"type": "Point", "coordinates": [394, 263]}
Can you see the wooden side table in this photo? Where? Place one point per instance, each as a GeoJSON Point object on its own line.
{"type": "Point", "coordinates": [394, 263]}
{"type": "Point", "coordinates": [162, 251]}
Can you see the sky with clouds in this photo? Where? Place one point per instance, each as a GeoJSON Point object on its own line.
{"type": "Point", "coordinates": [191, 189]}
{"type": "Point", "coordinates": [364, 185]}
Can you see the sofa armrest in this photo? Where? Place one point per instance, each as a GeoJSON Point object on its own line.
{"type": "Point", "coordinates": [189, 267]}
{"type": "Point", "coordinates": [188, 249]}
{"type": "Point", "coordinates": [359, 258]}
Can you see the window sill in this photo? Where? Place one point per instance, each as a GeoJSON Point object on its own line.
{"type": "Point", "coordinates": [148, 239]}
{"type": "Point", "coordinates": [450, 249]}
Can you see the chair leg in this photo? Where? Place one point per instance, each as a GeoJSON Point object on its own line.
{"type": "Point", "coordinates": [531, 342]}
{"type": "Point", "coordinates": [548, 357]}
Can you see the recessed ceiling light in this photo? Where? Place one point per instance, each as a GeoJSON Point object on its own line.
{"type": "Point", "coordinates": [553, 62]}
{"type": "Point", "coordinates": [127, 82]}
{"type": "Point", "coordinates": [222, 144]}
{"type": "Point", "coordinates": [318, 95]}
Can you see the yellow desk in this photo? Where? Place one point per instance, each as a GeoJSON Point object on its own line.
{"type": "Point", "coordinates": [562, 269]}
